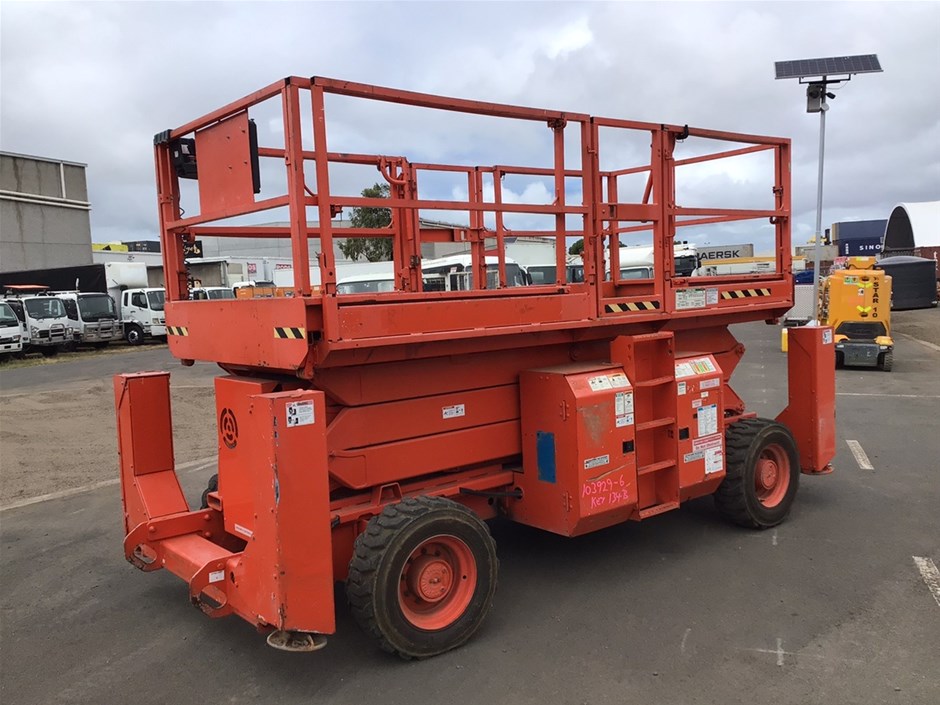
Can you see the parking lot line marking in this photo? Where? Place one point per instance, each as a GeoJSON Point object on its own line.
{"type": "Point", "coordinates": [61, 494]}
{"type": "Point", "coordinates": [896, 396]}
{"type": "Point", "coordinates": [684, 639]}
{"type": "Point", "coordinates": [930, 574]}
{"type": "Point", "coordinates": [779, 652]}
{"type": "Point", "coordinates": [774, 540]}
{"type": "Point", "coordinates": [932, 346]}
{"type": "Point", "coordinates": [860, 457]}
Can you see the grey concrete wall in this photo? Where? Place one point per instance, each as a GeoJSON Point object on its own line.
{"type": "Point", "coordinates": [42, 236]}
{"type": "Point", "coordinates": [30, 176]}
{"type": "Point", "coordinates": [37, 233]}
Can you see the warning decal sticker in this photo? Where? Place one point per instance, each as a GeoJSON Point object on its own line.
{"type": "Point", "coordinates": [299, 413]}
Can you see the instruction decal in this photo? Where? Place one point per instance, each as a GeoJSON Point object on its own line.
{"type": "Point", "coordinates": [623, 403]}
{"type": "Point", "coordinates": [599, 383]}
{"type": "Point", "coordinates": [597, 462]}
{"type": "Point", "coordinates": [690, 298]}
{"type": "Point", "coordinates": [707, 420]}
{"type": "Point", "coordinates": [619, 380]}
{"type": "Point", "coordinates": [714, 460]}
{"type": "Point", "coordinates": [299, 413]}
{"type": "Point", "coordinates": [453, 412]}
{"type": "Point", "coordinates": [625, 420]}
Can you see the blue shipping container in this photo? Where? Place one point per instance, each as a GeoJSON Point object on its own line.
{"type": "Point", "coordinates": [869, 247]}
{"type": "Point", "coordinates": [858, 230]}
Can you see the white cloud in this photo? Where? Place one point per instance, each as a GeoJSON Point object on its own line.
{"type": "Point", "coordinates": [93, 82]}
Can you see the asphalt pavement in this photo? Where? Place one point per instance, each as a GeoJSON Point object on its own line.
{"type": "Point", "coordinates": [830, 607]}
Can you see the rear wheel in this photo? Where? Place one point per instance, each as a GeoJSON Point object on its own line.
{"type": "Point", "coordinates": [212, 486]}
{"type": "Point", "coordinates": [422, 577]}
{"type": "Point", "coordinates": [763, 473]}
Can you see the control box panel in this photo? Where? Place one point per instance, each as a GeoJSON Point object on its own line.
{"type": "Point", "coordinates": [578, 448]}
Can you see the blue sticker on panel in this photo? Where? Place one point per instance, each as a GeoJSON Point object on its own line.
{"type": "Point", "coordinates": [545, 451]}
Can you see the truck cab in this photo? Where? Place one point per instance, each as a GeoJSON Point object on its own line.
{"type": "Point", "coordinates": [142, 314]}
{"type": "Point", "coordinates": [43, 320]}
{"type": "Point", "coordinates": [93, 317]}
{"type": "Point", "coordinates": [11, 332]}
{"type": "Point", "coordinates": [856, 302]}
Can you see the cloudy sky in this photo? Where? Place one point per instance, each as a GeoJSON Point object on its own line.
{"type": "Point", "coordinates": [93, 83]}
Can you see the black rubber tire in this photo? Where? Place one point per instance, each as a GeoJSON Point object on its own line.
{"type": "Point", "coordinates": [213, 486]}
{"type": "Point", "coordinates": [134, 335]}
{"type": "Point", "coordinates": [736, 496]}
{"type": "Point", "coordinates": [379, 557]}
{"type": "Point", "coordinates": [49, 351]}
{"type": "Point", "coordinates": [887, 361]}
{"type": "Point", "coordinates": [840, 360]}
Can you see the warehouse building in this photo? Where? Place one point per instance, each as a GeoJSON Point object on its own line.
{"type": "Point", "coordinates": [913, 229]}
{"type": "Point", "coordinates": [44, 214]}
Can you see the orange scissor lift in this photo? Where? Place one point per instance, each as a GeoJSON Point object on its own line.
{"type": "Point", "coordinates": [366, 437]}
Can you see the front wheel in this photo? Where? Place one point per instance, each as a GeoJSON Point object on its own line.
{"type": "Point", "coordinates": [49, 351]}
{"type": "Point", "coordinates": [887, 361]}
{"type": "Point", "coordinates": [422, 577]}
{"type": "Point", "coordinates": [134, 335]}
{"type": "Point", "coordinates": [762, 474]}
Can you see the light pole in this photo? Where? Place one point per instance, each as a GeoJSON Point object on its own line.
{"type": "Point", "coordinates": [817, 74]}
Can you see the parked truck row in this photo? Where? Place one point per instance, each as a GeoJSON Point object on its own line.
{"type": "Point", "coordinates": [38, 319]}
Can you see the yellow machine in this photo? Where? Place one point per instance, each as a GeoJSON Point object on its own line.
{"type": "Point", "coordinates": [856, 302]}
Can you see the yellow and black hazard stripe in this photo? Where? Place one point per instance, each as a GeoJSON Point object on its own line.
{"type": "Point", "coordinates": [744, 293]}
{"type": "Point", "coordinates": [631, 306]}
{"type": "Point", "coordinates": [289, 333]}
{"type": "Point", "coordinates": [177, 330]}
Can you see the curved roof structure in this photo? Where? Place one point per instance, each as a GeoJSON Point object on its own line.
{"type": "Point", "coordinates": [912, 225]}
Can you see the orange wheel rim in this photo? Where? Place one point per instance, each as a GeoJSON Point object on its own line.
{"type": "Point", "coordinates": [437, 583]}
{"type": "Point", "coordinates": [772, 475]}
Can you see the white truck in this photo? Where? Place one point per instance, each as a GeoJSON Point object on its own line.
{"type": "Point", "coordinates": [211, 293]}
{"type": "Point", "coordinates": [93, 317]}
{"type": "Point", "coordinates": [11, 332]}
{"type": "Point", "coordinates": [451, 273]}
{"type": "Point", "coordinates": [142, 314]}
{"type": "Point", "coordinates": [43, 321]}
{"type": "Point", "coordinates": [139, 306]}
{"type": "Point", "coordinates": [635, 263]}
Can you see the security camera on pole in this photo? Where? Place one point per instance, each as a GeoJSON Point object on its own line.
{"type": "Point", "coordinates": [818, 74]}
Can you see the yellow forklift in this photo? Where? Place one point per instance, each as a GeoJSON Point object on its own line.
{"type": "Point", "coordinates": [856, 302]}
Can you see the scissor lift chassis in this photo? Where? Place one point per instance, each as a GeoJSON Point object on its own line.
{"type": "Point", "coordinates": [365, 437]}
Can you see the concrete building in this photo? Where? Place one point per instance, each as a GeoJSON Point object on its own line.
{"type": "Point", "coordinates": [44, 213]}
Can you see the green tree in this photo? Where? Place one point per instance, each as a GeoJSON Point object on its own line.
{"type": "Point", "coordinates": [577, 247]}
{"type": "Point", "coordinates": [374, 249]}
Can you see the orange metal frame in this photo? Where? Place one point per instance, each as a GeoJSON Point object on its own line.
{"type": "Point", "coordinates": [340, 324]}
{"type": "Point", "coordinates": [380, 368]}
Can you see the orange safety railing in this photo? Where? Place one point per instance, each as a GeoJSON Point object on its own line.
{"type": "Point", "coordinates": [226, 168]}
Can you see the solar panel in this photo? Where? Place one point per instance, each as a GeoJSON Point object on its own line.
{"type": "Point", "coordinates": [832, 66]}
